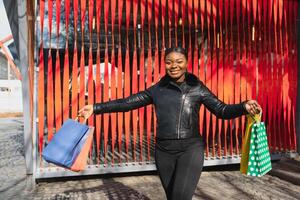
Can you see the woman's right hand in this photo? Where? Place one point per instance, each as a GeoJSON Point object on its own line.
{"type": "Point", "coordinates": [86, 111]}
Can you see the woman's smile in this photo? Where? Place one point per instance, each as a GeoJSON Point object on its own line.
{"type": "Point", "coordinates": [176, 66]}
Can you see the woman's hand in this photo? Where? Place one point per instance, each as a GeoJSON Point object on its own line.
{"type": "Point", "coordinates": [86, 111]}
{"type": "Point", "coordinates": [252, 107]}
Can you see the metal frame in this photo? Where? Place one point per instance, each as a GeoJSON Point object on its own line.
{"type": "Point", "coordinates": [23, 56]}
{"type": "Point", "coordinates": [52, 172]}
{"type": "Point", "coordinates": [31, 150]}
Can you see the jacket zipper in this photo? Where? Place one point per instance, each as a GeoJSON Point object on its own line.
{"type": "Point", "coordinates": [179, 116]}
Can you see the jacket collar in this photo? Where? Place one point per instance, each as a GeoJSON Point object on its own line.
{"type": "Point", "coordinates": [190, 79]}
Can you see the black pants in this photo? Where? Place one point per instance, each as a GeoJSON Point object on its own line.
{"type": "Point", "coordinates": [179, 164]}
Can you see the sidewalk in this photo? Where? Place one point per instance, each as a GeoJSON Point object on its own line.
{"type": "Point", "coordinates": [218, 182]}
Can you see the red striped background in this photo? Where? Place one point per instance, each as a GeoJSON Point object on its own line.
{"type": "Point", "coordinates": [240, 49]}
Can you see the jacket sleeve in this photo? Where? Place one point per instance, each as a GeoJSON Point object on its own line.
{"type": "Point", "coordinates": [132, 102]}
{"type": "Point", "coordinates": [219, 108]}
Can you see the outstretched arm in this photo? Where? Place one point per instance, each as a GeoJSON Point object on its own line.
{"type": "Point", "coordinates": [122, 105]}
{"type": "Point", "coordinates": [227, 111]}
{"type": "Point", "coordinates": [132, 102]}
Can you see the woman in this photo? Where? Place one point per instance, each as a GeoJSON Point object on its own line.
{"type": "Point", "coordinates": [177, 98]}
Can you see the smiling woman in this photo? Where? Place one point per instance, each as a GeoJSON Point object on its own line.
{"type": "Point", "coordinates": [177, 97]}
{"type": "Point", "coordinates": [176, 63]}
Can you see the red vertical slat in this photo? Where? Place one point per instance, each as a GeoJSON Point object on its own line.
{"type": "Point", "coordinates": [113, 15]}
{"type": "Point", "coordinates": [156, 13]}
{"type": "Point", "coordinates": [220, 69]}
{"type": "Point", "coordinates": [170, 7]}
{"type": "Point", "coordinates": [58, 113]}
{"type": "Point", "coordinates": [183, 17]}
{"type": "Point", "coordinates": [134, 85]}
{"type": "Point", "coordinates": [285, 82]}
{"type": "Point", "coordinates": [273, 77]}
{"type": "Point", "coordinates": [50, 103]}
{"type": "Point", "coordinates": [82, 81]}
{"type": "Point", "coordinates": [50, 98]}
{"type": "Point", "coordinates": [201, 67]}
{"type": "Point", "coordinates": [120, 95]}
{"type": "Point", "coordinates": [106, 11]}
{"type": "Point", "coordinates": [58, 109]}
{"type": "Point", "coordinates": [142, 81]}
{"type": "Point", "coordinates": [276, 67]}
{"type": "Point", "coordinates": [149, 79]}
{"type": "Point", "coordinates": [176, 14]}
{"type": "Point", "coordinates": [82, 59]}
{"type": "Point", "coordinates": [263, 64]}
{"type": "Point", "coordinates": [143, 7]}
{"type": "Point", "coordinates": [126, 94]}
{"type": "Point", "coordinates": [127, 82]}
{"type": "Point", "coordinates": [113, 83]}
{"type": "Point", "coordinates": [261, 58]}
{"type": "Point", "coordinates": [90, 84]}
{"type": "Point", "coordinates": [91, 15]}
{"type": "Point", "coordinates": [270, 75]}
{"type": "Point", "coordinates": [120, 10]}
{"type": "Point", "coordinates": [90, 78]}
{"type": "Point", "coordinates": [66, 75]}
{"type": "Point", "coordinates": [41, 86]}
{"type": "Point", "coordinates": [134, 79]}
{"type": "Point", "coordinates": [120, 81]}
{"type": "Point", "coordinates": [149, 11]}
{"type": "Point", "coordinates": [149, 107]}
{"type": "Point", "coordinates": [141, 88]}
{"type": "Point", "coordinates": [98, 87]}
{"type": "Point", "coordinates": [105, 99]}
{"type": "Point", "coordinates": [155, 80]}
{"type": "Point", "coordinates": [196, 12]}
{"type": "Point", "coordinates": [127, 15]}
{"type": "Point", "coordinates": [196, 58]}
{"type": "Point", "coordinates": [75, 65]}
{"type": "Point", "coordinates": [243, 59]}
{"type": "Point", "coordinates": [90, 63]}
{"type": "Point", "coordinates": [237, 90]}
{"type": "Point", "coordinates": [156, 61]}
{"type": "Point", "coordinates": [190, 11]}
{"type": "Point", "coordinates": [162, 57]}
{"type": "Point", "coordinates": [106, 82]}
{"type": "Point", "coordinates": [208, 74]}
{"type": "Point", "coordinates": [113, 96]}
{"type": "Point", "coordinates": [228, 73]}
{"type": "Point", "coordinates": [214, 70]}
{"type": "Point", "coordinates": [282, 129]}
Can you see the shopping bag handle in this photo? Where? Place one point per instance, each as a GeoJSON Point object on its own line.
{"type": "Point", "coordinates": [257, 119]}
{"type": "Point", "coordinates": [77, 117]}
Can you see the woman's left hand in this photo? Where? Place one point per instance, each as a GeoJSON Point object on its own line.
{"type": "Point", "coordinates": [252, 107]}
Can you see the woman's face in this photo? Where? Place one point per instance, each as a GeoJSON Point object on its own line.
{"type": "Point", "coordinates": [176, 65]}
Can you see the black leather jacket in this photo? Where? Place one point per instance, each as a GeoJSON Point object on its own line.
{"type": "Point", "coordinates": [177, 107]}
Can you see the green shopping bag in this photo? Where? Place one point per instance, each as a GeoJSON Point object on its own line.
{"type": "Point", "coordinates": [258, 158]}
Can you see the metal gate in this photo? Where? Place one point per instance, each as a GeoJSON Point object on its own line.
{"type": "Point", "coordinates": [96, 51]}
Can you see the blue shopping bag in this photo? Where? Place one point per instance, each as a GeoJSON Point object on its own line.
{"type": "Point", "coordinates": [66, 144]}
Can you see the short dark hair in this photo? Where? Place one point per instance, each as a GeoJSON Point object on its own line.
{"type": "Point", "coordinates": [176, 49]}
